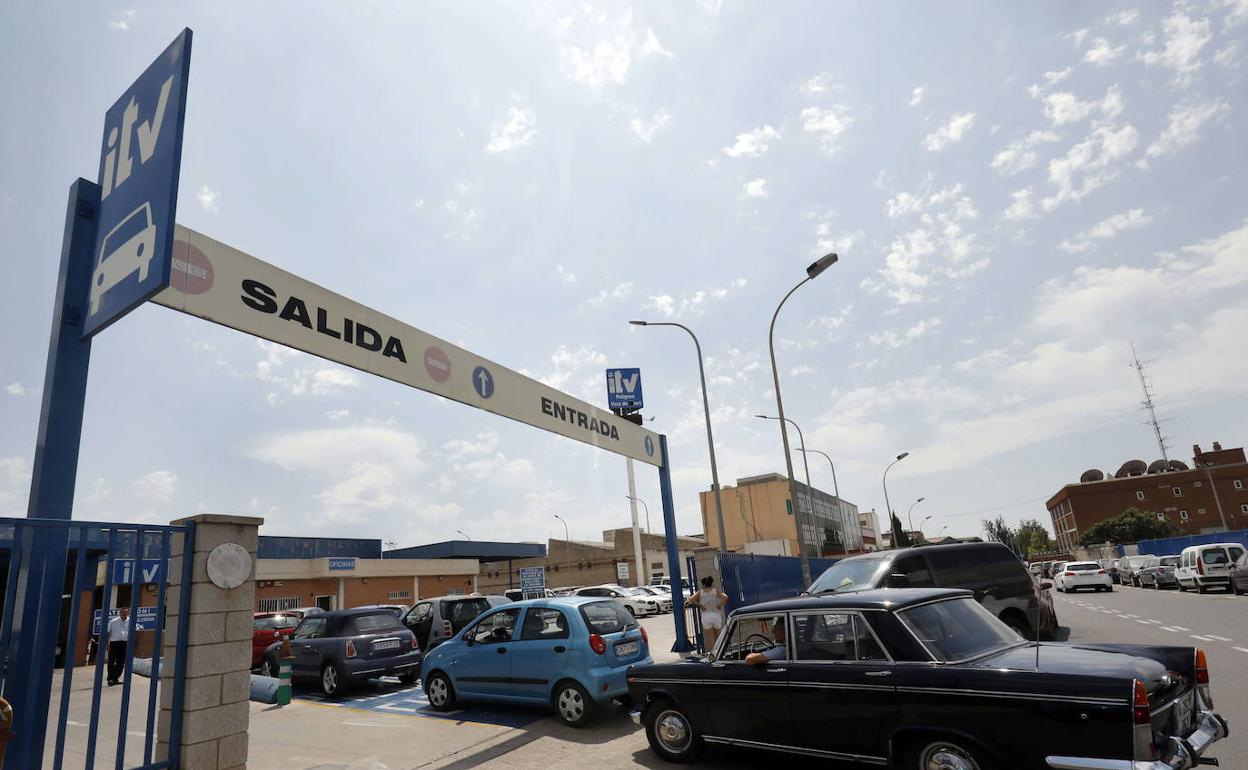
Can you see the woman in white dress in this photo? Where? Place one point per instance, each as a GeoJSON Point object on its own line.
{"type": "Point", "coordinates": [711, 601]}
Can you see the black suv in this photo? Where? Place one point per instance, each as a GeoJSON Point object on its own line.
{"type": "Point", "coordinates": [998, 578]}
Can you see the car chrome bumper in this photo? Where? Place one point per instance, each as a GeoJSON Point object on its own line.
{"type": "Point", "coordinates": [1182, 753]}
{"type": "Point", "coordinates": [635, 716]}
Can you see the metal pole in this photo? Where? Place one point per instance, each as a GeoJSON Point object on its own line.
{"type": "Point", "coordinates": [887, 504]}
{"type": "Point", "coordinates": [638, 558]}
{"type": "Point", "coordinates": [784, 434]}
{"type": "Point", "coordinates": [647, 509]}
{"type": "Point", "coordinates": [673, 549]}
{"type": "Point", "coordinates": [567, 542]}
{"type": "Point", "coordinates": [1216, 499]}
{"type": "Point", "coordinates": [910, 512]}
{"type": "Point", "coordinates": [37, 614]}
{"type": "Point", "coordinates": [810, 491]}
{"type": "Point", "coordinates": [710, 439]}
{"type": "Point", "coordinates": [836, 490]}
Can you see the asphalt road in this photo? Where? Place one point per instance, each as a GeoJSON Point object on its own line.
{"type": "Point", "coordinates": [1215, 622]}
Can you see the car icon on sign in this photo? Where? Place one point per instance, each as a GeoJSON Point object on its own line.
{"type": "Point", "coordinates": [129, 246]}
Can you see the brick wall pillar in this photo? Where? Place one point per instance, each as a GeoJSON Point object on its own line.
{"type": "Point", "coordinates": [218, 654]}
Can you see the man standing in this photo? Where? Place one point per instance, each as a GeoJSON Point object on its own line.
{"type": "Point", "coordinates": [119, 629]}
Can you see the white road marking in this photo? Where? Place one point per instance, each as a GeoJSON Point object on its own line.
{"type": "Point", "coordinates": [1181, 628]}
{"type": "Point", "coordinates": [1154, 622]}
{"type": "Point", "coordinates": [1169, 628]}
{"type": "Point", "coordinates": [1145, 622]}
{"type": "Point", "coordinates": [1241, 649]}
{"type": "Point", "coordinates": [1201, 638]}
{"type": "Point", "coordinates": [1220, 638]}
{"type": "Point", "coordinates": [1129, 615]}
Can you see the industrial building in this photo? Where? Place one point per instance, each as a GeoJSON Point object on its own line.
{"type": "Point", "coordinates": [757, 518]}
{"type": "Point", "coordinates": [1209, 496]}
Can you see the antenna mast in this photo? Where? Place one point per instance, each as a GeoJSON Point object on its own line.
{"type": "Point", "coordinates": [1147, 404]}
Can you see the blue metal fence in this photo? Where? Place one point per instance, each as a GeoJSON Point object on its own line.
{"type": "Point", "coordinates": [1174, 545]}
{"type": "Point", "coordinates": [87, 546]}
{"type": "Point", "coordinates": [751, 578]}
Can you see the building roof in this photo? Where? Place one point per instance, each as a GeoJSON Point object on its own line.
{"type": "Point", "coordinates": [481, 550]}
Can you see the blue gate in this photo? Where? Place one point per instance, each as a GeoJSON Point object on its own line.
{"type": "Point", "coordinates": [752, 578]}
{"type": "Point", "coordinates": [99, 559]}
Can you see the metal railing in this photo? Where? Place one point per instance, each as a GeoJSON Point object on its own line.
{"type": "Point", "coordinates": [123, 551]}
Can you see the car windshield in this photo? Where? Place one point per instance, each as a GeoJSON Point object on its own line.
{"type": "Point", "coordinates": [958, 629]}
{"type": "Point", "coordinates": [606, 617]}
{"type": "Point", "coordinates": [849, 575]}
{"type": "Point", "coordinates": [1215, 556]}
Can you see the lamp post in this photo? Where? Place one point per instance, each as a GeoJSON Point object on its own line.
{"type": "Point", "coordinates": [940, 533]}
{"type": "Point", "coordinates": [921, 523]}
{"type": "Point", "coordinates": [461, 532]}
{"type": "Point", "coordinates": [887, 504]}
{"type": "Point", "coordinates": [809, 497]}
{"type": "Point", "coordinates": [909, 518]}
{"type": "Point", "coordinates": [567, 542]}
{"type": "Point", "coordinates": [812, 272]}
{"type": "Point", "coordinates": [710, 440]}
{"type": "Point", "coordinates": [836, 490]}
{"type": "Point", "coordinates": [643, 505]}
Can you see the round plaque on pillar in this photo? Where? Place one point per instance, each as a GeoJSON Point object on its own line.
{"type": "Point", "coordinates": [229, 565]}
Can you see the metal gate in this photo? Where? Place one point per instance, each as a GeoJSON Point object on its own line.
{"type": "Point", "coordinates": [91, 562]}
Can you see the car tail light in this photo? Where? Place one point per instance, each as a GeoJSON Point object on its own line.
{"type": "Point", "coordinates": [1202, 677]}
{"type": "Point", "coordinates": [597, 644]}
{"type": "Point", "coordinates": [644, 636]}
{"type": "Point", "coordinates": [415, 645]}
{"type": "Point", "coordinates": [1068, 573]}
{"type": "Point", "coordinates": [1140, 714]}
{"type": "Point", "coordinates": [350, 649]}
{"type": "Point", "coordinates": [1200, 566]}
{"type": "Point", "coordinates": [446, 629]}
{"type": "Point", "coordinates": [1100, 572]}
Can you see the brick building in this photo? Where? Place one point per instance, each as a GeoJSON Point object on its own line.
{"type": "Point", "coordinates": [755, 512]}
{"type": "Point", "coordinates": [1209, 496]}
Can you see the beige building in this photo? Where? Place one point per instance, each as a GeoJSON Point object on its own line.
{"type": "Point", "coordinates": [589, 563]}
{"type": "Point", "coordinates": [757, 519]}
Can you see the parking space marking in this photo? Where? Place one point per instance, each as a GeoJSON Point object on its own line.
{"type": "Point", "coordinates": [1241, 649]}
{"type": "Point", "coordinates": [1201, 638]}
{"type": "Point", "coordinates": [1220, 638]}
{"type": "Point", "coordinates": [1181, 628]}
{"type": "Point", "coordinates": [387, 696]}
{"type": "Point", "coordinates": [1169, 628]}
{"type": "Point", "coordinates": [1145, 622]}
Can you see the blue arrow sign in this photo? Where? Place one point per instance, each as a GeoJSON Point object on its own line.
{"type": "Point", "coordinates": [483, 382]}
{"type": "Point", "coordinates": [139, 164]}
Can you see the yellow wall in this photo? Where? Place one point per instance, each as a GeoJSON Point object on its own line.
{"type": "Point", "coordinates": [751, 513]}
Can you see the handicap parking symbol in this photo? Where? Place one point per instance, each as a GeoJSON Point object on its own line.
{"type": "Point", "coordinates": [483, 382]}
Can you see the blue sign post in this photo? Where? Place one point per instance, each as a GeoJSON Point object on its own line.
{"type": "Point", "coordinates": [624, 389]}
{"type": "Point", "coordinates": [128, 215]}
{"type": "Point", "coordinates": [533, 582]}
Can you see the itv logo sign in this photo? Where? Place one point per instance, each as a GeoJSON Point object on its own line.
{"type": "Point", "coordinates": [624, 389]}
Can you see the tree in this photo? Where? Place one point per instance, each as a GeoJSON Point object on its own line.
{"type": "Point", "coordinates": [998, 531]}
{"type": "Point", "coordinates": [901, 539]}
{"type": "Point", "coordinates": [1032, 537]}
{"type": "Point", "coordinates": [1130, 526]}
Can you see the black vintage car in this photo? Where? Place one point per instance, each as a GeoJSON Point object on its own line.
{"type": "Point", "coordinates": [917, 679]}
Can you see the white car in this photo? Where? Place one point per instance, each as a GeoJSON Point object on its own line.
{"type": "Point", "coordinates": [1083, 574]}
{"type": "Point", "coordinates": [663, 595]}
{"type": "Point", "coordinates": [1202, 566]}
{"type": "Point", "coordinates": [637, 606]}
{"type": "Point", "coordinates": [128, 247]}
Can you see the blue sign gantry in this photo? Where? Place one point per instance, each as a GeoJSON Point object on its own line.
{"type": "Point", "coordinates": [139, 165]}
{"type": "Point", "coordinates": [624, 389]}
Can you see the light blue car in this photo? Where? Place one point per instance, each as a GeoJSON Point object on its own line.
{"type": "Point", "coordinates": [571, 653]}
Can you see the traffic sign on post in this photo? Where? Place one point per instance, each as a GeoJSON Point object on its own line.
{"type": "Point", "coordinates": [139, 164]}
{"type": "Point", "coordinates": [624, 389]}
{"type": "Point", "coordinates": [533, 582]}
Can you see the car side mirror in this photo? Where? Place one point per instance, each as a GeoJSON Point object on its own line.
{"type": "Point", "coordinates": [1045, 585]}
{"type": "Point", "coordinates": [898, 580]}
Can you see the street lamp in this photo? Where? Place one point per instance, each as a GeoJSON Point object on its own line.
{"type": "Point", "coordinates": [909, 518]}
{"type": "Point", "coordinates": [812, 272]}
{"type": "Point", "coordinates": [887, 504]}
{"type": "Point", "coordinates": [567, 542]}
{"type": "Point", "coordinates": [643, 505]}
{"type": "Point", "coordinates": [710, 441]}
{"type": "Point", "coordinates": [940, 533]}
{"type": "Point", "coordinates": [921, 523]}
{"type": "Point", "coordinates": [836, 490]}
{"type": "Point", "coordinates": [461, 532]}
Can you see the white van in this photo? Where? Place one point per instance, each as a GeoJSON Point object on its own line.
{"type": "Point", "coordinates": [1202, 566]}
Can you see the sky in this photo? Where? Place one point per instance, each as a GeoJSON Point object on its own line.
{"type": "Point", "coordinates": [1016, 192]}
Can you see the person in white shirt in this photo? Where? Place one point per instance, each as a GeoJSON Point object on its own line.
{"type": "Point", "coordinates": [711, 601]}
{"type": "Point", "coordinates": [119, 629]}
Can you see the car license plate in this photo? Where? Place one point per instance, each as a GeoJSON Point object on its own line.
{"type": "Point", "coordinates": [1183, 714]}
{"type": "Point", "coordinates": [627, 648]}
{"type": "Point", "coordinates": [386, 644]}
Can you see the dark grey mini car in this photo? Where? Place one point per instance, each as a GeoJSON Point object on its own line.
{"type": "Point", "coordinates": [340, 647]}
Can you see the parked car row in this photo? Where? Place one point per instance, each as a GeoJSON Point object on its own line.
{"type": "Point", "coordinates": [1197, 567]}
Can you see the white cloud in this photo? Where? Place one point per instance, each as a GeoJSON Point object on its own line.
{"type": "Point", "coordinates": [751, 144]}
{"type": "Point", "coordinates": [1185, 122]}
{"type": "Point", "coordinates": [1185, 38]}
{"type": "Point", "coordinates": [1089, 164]}
{"type": "Point", "coordinates": [122, 22]}
{"type": "Point", "coordinates": [338, 414]}
{"type": "Point", "coordinates": [309, 375]}
{"type": "Point", "coordinates": [652, 46]}
{"type": "Point", "coordinates": [1101, 53]}
{"type": "Point", "coordinates": [605, 63]}
{"type": "Point", "coordinates": [937, 247]}
{"type": "Point", "coordinates": [647, 129]}
{"type": "Point", "coordinates": [565, 277]}
{"type": "Point", "coordinates": [208, 198]}
{"type": "Point", "coordinates": [949, 133]}
{"type": "Point", "coordinates": [691, 303]}
{"type": "Point", "coordinates": [816, 85]}
{"type": "Point", "coordinates": [1124, 18]}
{"type": "Point", "coordinates": [827, 125]}
{"type": "Point", "coordinates": [1228, 55]}
{"type": "Point", "coordinates": [516, 130]}
{"type": "Point", "coordinates": [156, 488]}
{"type": "Point", "coordinates": [1106, 229]}
{"type": "Point", "coordinates": [15, 389]}
{"type": "Point", "coordinates": [1021, 206]}
{"type": "Point", "coordinates": [916, 96]}
{"type": "Point", "coordinates": [14, 486]}
{"type": "Point", "coordinates": [756, 188]}
{"type": "Point", "coordinates": [620, 291]}
{"type": "Point", "coordinates": [895, 340]}
{"type": "Point", "coordinates": [1062, 108]}
{"type": "Point", "coordinates": [1078, 36]}
{"type": "Point", "coordinates": [1051, 78]}
{"type": "Point", "coordinates": [1020, 154]}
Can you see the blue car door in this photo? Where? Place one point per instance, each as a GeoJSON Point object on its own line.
{"type": "Point", "coordinates": [304, 643]}
{"type": "Point", "coordinates": [540, 653]}
{"type": "Point", "coordinates": [484, 667]}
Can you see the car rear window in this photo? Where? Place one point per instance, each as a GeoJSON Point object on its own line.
{"type": "Point", "coordinates": [1170, 561]}
{"type": "Point", "coordinates": [1082, 566]}
{"type": "Point", "coordinates": [1214, 556]}
{"type": "Point", "coordinates": [461, 612]}
{"type": "Point", "coordinates": [606, 617]}
{"type": "Point", "coordinates": [371, 624]}
{"type": "Point", "coordinates": [957, 629]}
{"type": "Point", "coordinates": [275, 621]}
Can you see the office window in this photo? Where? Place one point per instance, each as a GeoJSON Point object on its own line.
{"type": "Point", "coordinates": [1197, 484]}
{"type": "Point", "coordinates": [1139, 495]}
{"type": "Point", "coordinates": [1178, 491]}
{"type": "Point", "coordinates": [1161, 515]}
{"type": "Point", "coordinates": [1183, 515]}
{"type": "Point", "coordinates": [1243, 508]}
{"type": "Point", "coordinates": [1239, 484]}
{"type": "Point", "coordinates": [1200, 511]}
